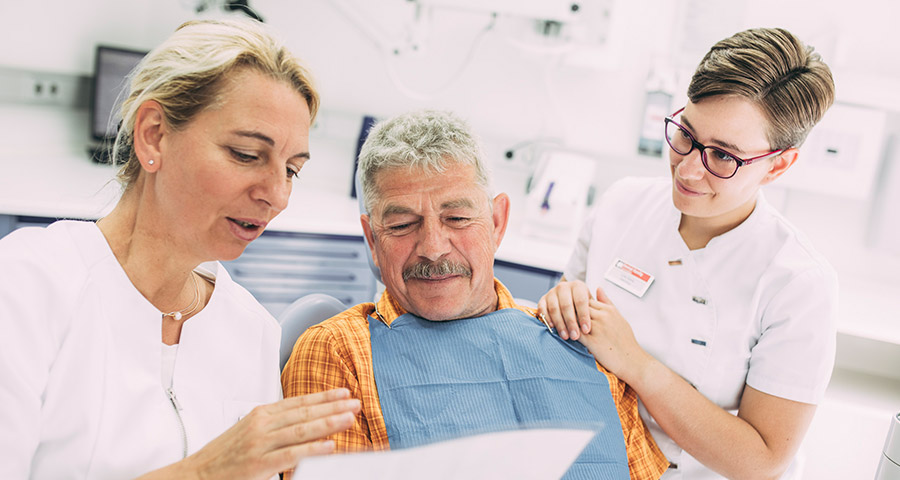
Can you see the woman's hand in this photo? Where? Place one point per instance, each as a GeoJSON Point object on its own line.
{"type": "Point", "coordinates": [597, 324]}
{"type": "Point", "coordinates": [566, 308]}
{"type": "Point", "coordinates": [611, 340]}
{"type": "Point", "coordinates": [271, 439]}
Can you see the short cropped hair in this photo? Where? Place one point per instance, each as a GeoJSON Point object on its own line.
{"type": "Point", "coordinates": [427, 139]}
{"type": "Point", "coordinates": [772, 68]}
{"type": "Point", "coordinates": [186, 73]}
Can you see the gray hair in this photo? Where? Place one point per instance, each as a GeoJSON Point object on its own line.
{"type": "Point", "coordinates": [427, 139]}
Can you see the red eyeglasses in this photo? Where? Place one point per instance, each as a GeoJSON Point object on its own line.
{"type": "Point", "coordinates": [718, 162]}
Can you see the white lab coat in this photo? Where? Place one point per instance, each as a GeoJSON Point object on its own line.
{"type": "Point", "coordinates": [80, 362]}
{"type": "Point", "coordinates": [756, 306]}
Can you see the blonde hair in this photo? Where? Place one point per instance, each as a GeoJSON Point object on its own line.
{"type": "Point", "coordinates": [772, 68]}
{"type": "Point", "coordinates": [185, 75]}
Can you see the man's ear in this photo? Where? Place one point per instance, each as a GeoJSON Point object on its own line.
{"type": "Point", "coordinates": [149, 126]}
{"type": "Point", "coordinates": [780, 164]}
{"type": "Point", "coordinates": [500, 217]}
{"type": "Point", "coordinates": [370, 236]}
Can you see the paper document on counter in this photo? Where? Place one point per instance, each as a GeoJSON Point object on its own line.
{"type": "Point", "coordinates": [522, 454]}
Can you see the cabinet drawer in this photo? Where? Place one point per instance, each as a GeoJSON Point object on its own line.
{"type": "Point", "coordinates": [300, 271]}
{"type": "Point", "coordinates": [338, 248]}
{"type": "Point", "coordinates": [280, 267]}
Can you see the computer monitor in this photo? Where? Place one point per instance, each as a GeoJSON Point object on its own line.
{"type": "Point", "coordinates": [367, 123]}
{"type": "Point", "coordinates": [109, 88]}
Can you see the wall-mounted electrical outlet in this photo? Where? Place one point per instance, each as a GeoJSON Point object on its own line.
{"type": "Point", "coordinates": [54, 89]}
{"type": "Point", "coordinates": [44, 88]}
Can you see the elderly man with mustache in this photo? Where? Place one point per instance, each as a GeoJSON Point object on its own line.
{"type": "Point", "coordinates": [446, 351]}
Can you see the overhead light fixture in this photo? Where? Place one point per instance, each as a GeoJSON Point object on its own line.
{"type": "Point", "coordinates": [242, 6]}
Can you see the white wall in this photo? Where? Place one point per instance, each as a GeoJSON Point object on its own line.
{"type": "Point", "coordinates": [59, 35]}
{"type": "Point", "coordinates": [505, 91]}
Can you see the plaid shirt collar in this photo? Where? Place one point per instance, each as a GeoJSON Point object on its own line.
{"type": "Point", "coordinates": [388, 309]}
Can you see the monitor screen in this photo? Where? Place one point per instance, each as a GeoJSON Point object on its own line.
{"type": "Point", "coordinates": [110, 85]}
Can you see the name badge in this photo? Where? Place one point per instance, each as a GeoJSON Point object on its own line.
{"type": "Point", "coordinates": [629, 277]}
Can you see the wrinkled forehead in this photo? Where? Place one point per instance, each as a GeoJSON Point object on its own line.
{"type": "Point", "coordinates": [439, 204]}
{"type": "Point", "coordinates": [404, 189]}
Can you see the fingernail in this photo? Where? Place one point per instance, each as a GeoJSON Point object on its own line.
{"type": "Point", "coordinates": [584, 328]}
{"type": "Point", "coordinates": [342, 392]}
{"type": "Point", "coordinates": [564, 334]}
{"type": "Point", "coordinates": [574, 334]}
{"type": "Point", "coordinates": [348, 417]}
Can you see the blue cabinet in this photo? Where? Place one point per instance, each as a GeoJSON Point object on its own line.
{"type": "Point", "coordinates": [280, 267]}
{"type": "Point", "coordinates": [525, 282]}
{"type": "Point", "coordinates": [9, 223]}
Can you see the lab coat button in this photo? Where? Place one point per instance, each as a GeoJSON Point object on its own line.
{"type": "Point", "coordinates": [700, 300]}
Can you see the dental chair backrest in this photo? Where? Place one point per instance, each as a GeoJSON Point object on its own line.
{"type": "Point", "coordinates": [303, 313]}
{"type": "Point", "coordinates": [889, 466]}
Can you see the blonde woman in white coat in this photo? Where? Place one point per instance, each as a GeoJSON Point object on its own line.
{"type": "Point", "coordinates": [121, 354]}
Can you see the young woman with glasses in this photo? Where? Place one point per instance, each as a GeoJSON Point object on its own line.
{"type": "Point", "coordinates": [699, 294]}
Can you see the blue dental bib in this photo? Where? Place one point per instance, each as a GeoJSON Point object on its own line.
{"type": "Point", "coordinates": [501, 371]}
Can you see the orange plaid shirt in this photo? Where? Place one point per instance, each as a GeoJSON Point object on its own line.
{"type": "Point", "coordinates": [338, 353]}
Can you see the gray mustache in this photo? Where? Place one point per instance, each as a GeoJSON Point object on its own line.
{"type": "Point", "coordinates": [428, 270]}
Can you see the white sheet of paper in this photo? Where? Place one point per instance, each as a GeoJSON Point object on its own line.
{"type": "Point", "coordinates": [522, 454]}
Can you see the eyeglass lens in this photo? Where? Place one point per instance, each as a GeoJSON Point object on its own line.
{"type": "Point", "coordinates": [719, 162]}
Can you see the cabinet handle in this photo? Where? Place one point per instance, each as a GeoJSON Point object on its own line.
{"type": "Point", "coordinates": [319, 276]}
{"type": "Point", "coordinates": [295, 252]}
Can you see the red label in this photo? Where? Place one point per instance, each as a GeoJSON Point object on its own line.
{"type": "Point", "coordinates": [634, 271]}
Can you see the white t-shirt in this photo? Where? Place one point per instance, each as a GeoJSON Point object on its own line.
{"type": "Point", "coordinates": [756, 306]}
{"type": "Point", "coordinates": [80, 362]}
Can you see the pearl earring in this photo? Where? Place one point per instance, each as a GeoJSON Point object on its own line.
{"type": "Point", "coordinates": [150, 162]}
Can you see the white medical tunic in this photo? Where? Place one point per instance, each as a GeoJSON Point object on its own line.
{"type": "Point", "coordinates": [756, 306]}
{"type": "Point", "coordinates": [81, 362]}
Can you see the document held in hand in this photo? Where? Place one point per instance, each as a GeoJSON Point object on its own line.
{"type": "Point", "coordinates": [522, 454]}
